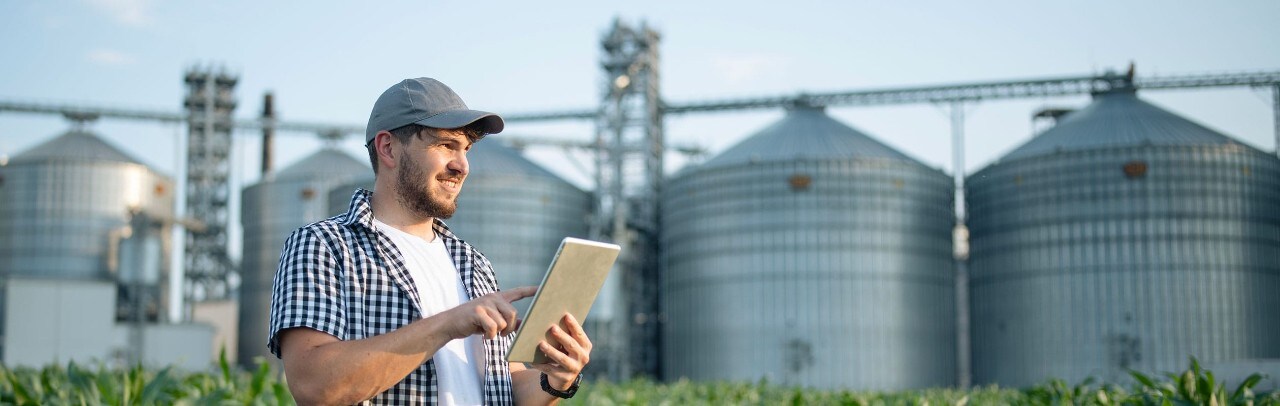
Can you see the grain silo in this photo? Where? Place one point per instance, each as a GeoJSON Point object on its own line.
{"type": "Point", "coordinates": [66, 207]}
{"type": "Point", "coordinates": [340, 195]}
{"type": "Point", "coordinates": [810, 254]}
{"type": "Point", "coordinates": [270, 211]}
{"type": "Point", "coordinates": [61, 201]}
{"type": "Point", "coordinates": [1125, 237]}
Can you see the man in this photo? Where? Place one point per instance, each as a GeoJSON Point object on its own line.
{"type": "Point", "coordinates": [384, 305]}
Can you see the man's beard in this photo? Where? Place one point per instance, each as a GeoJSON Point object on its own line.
{"type": "Point", "coordinates": [413, 192]}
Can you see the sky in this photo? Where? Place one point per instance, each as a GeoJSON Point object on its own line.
{"type": "Point", "coordinates": [327, 61]}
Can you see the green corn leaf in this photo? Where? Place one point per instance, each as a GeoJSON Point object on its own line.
{"type": "Point", "coordinates": [283, 397]}
{"type": "Point", "coordinates": [128, 391]}
{"type": "Point", "coordinates": [153, 392]}
{"type": "Point", "coordinates": [1187, 385]}
{"type": "Point", "coordinates": [259, 379]}
{"type": "Point", "coordinates": [1204, 385]}
{"type": "Point", "coordinates": [21, 392]}
{"type": "Point", "coordinates": [216, 397]}
{"type": "Point", "coordinates": [224, 366]}
{"type": "Point", "coordinates": [1143, 379]}
{"type": "Point", "coordinates": [109, 388]}
{"type": "Point", "coordinates": [1245, 386]}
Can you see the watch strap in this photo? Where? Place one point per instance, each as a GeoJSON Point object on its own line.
{"type": "Point", "coordinates": [565, 394]}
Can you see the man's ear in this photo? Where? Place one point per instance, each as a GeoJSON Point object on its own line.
{"type": "Point", "coordinates": [384, 143]}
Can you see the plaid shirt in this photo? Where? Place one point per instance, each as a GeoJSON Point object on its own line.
{"type": "Point", "coordinates": [343, 277]}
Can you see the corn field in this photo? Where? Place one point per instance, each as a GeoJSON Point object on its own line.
{"type": "Point", "coordinates": [79, 385]}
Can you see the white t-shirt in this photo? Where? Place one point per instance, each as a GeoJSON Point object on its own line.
{"type": "Point", "coordinates": [460, 364]}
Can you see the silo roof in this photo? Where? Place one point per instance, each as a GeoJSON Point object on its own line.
{"type": "Point", "coordinates": [806, 133]}
{"type": "Point", "coordinates": [327, 163]}
{"type": "Point", "coordinates": [74, 145]}
{"type": "Point", "coordinates": [1118, 119]}
{"type": "Point", "coordinates": [492, 158]}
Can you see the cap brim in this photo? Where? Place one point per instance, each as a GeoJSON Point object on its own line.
{"type": "Point", "coordinates": [489, 123]}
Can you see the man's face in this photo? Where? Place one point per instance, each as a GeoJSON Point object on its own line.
{"type": "Point", "coordinates": [431, 171]}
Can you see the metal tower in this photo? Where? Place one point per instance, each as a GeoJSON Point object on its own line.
{"type": "Point", "coordinates": [210, 101]}
{"type": "Point", "coordinates": [629, 169]}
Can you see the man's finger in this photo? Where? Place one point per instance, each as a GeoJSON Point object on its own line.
{"type": "Point", "coordinates": [567, 343]}
{"type": "Point", "coordinates": [558, 356]}
{"type": "Point", "coordinates": [506, 310]}
{"type": "Point", "coordinates": [576, 331]}
{"type": "Point", "coordinates": [509, 316]}
{"type": "Point", "coordinates": [572, 326]}
{"type": "Point", "coordinates": [522, 292]}
{"type": "Point", "coordinates": [488, 328]}
{"type": "Point", "coordinates": [496, 318]}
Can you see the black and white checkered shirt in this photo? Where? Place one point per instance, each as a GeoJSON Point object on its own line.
{"type": "Point", "coordinates": [343, 277]}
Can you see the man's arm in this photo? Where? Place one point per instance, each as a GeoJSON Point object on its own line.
{"type": "Point", "coordinates": [325, 370]}
{"type": "Point", "coordinates": [569, 354]}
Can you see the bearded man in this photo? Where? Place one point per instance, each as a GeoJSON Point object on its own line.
{"type": "Point", "coordinates": [384, 305]}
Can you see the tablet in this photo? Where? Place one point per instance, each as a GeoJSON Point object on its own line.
{"type": "Point", "coordinates": [571, 284]}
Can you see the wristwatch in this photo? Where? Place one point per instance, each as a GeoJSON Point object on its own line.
{"type": "Point", "coordinates": [546, 387]}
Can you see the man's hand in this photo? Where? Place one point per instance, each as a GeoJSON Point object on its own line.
{"type": "Point", "coordinates": [569, 351]}
{"type": "Point", "coordinates": [489, 315]}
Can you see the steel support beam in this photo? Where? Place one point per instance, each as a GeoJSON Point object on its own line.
{"type": "Point", "coordinates": [629, 180]}
{"type": "Point", "coordinates": [209, 273]}
{"type": "Point", "coordinates": [1275, 114]}
{"type": "Point", "coordinates": [960, 243]}
{"type": "Point", "coordinates": [1011, 89]}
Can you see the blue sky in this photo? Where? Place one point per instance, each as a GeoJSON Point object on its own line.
{"type": "Point", "coordinates": [327, 62]}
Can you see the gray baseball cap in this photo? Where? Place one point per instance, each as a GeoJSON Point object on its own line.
{"type": "Point", "coordinates": [427, 102]}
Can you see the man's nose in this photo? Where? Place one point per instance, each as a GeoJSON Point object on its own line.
{"type": "Point", "coordinates": [459, 164]}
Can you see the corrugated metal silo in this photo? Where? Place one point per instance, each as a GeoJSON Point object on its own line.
{"type": "Point", "coordinates": [340, 195]}
{"type": "Point", "coordinates": [810, 254]}
{"type": "Point", "coordinates": [270, 211]}
{"type": "Point", "coordinates": [61, 200]}
{"type": "Point", "coordinates": [1125, 237]}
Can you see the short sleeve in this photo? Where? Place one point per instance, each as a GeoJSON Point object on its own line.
{"type": "Point", "coordinates": [307, 289]}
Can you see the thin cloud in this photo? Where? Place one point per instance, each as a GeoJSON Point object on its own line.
{"type": "Point", "coordinates": [128, 12]}
{"type": "Point", "coordinates": [109, 57]}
